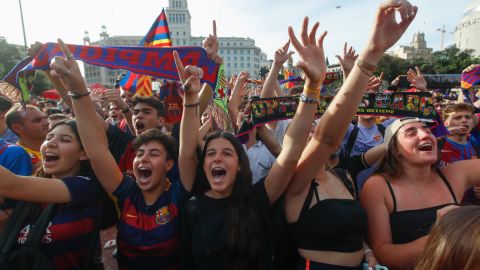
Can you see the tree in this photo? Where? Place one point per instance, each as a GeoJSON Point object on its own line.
{"type": "Point", "coordinates": [10, 55]}
{"type": "Point", "coordinates": [264, 71]}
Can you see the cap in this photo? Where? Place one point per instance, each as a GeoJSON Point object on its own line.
{"type": "Point", "coordinates": [393, 128]}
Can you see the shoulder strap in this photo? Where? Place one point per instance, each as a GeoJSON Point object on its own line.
{"type": "Point", "coordinates": [13, 227]}
{"type": "Point", "coordinates": [445, 180]}
{"type": "Point", "coordinates": [40, 226]}
{"type": "Point", "coordinates": [351, 141]}
{"type": "Point", "coordinates": [92, 247]}
{"type": "Point", "coordinates": [344, 175]}
{"type": "Point", "coordinates": [381, 128]}
{"type": "Point", "coordinates": [391, 192]}
{"type": "Point", "coordinates": [308, 200]}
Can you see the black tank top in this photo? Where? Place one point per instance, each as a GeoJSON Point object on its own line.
{"type": "Point", "coordinates": [409, 225]}
{"type": "Point", "coordinates": [331, 224]}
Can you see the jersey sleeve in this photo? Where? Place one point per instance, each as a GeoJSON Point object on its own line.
{"type": "Point", "coordinates": [124, 190]}
{"type": "Point", "coordinates": [84, 190]}
{"type": "Point", "coordinates": [118, 141]}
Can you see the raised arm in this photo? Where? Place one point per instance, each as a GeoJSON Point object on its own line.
{"type": "Point", "coordinates": [335, 120]}
{"type": "Point", "coordinates": [238, 92]}
{"type": "Point", "coordinates": [113, 95]}
{"type": "Point", "coordinates": [347, 61]}
{"type": "Point", "coordinates": [312, 62]}
{"type": "Point", "coordinates": [271, 82]}
{"type": "Point", "coordinates": [90, 127]}
{"type": "Point", "coordinates": [32, 189]}
{"type": "Point", "coordinates": [190, 124]}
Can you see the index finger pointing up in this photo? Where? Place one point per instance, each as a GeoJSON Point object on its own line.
{"type": "Point", "coordinates": [214, 28]}
{"type": "Point", "coordinates": [66, 51]}
{"type": "Point", "coordinates": [178, 63]}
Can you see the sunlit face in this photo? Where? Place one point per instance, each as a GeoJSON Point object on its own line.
{"type": "Point", "coordinates": [221, 166]}
{"type": "Point", "coordinates": [115, 113]}
{"type": "Point", "coordinates": [460, 123]}
{"type": "Point", "coordinates": [62, 152]}
{"type": "Point", "coordinates": [146, 117]}
{"type": "Point", "coordinates": [416, 144]}
{"type": "Point", "coordinates": [35, 124]}
{"type": "Point", "coordinates": [205, 116]}
{"type": "Point", "coordinates": [150, 167]}
{"type": "Point", "coordinates": [127, 97]}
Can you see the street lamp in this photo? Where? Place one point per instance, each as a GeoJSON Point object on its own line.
{"type": "Point", "coordinates": [23, 25]}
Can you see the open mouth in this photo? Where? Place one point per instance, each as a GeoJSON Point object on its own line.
{"type": "Point", "coordinates": [139, 125]}
{"type": "Point", "coordinates": [49, 157]}
{"type": "Point", "coordinates": [144, 172]}
{"type": "Point", "coordinates": [218, 173]}
{"type": "Point", "coordinates": [426, 147]}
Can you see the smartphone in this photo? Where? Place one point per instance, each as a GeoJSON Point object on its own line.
{"type": "Point", "coordinates": [377, 267]}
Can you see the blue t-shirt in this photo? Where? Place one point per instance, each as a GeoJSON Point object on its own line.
{"type": "Point", "coordinates": [148, 236]}
{"type": "Point", "coordinates": [69, 233]}
{"type": "Point", "coordinates": [9, 136]}
{"type": "Point", "coordinates": [15, 159]}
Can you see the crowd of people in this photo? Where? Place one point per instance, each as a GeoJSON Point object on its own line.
{"type": "Point", "coordinates": [338, 192]}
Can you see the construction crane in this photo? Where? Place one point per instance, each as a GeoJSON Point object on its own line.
{"type": "Point", "coordinates": [442, 31]}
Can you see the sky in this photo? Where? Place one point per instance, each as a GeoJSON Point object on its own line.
{"type": "Point", "coordinates": [264, 21]}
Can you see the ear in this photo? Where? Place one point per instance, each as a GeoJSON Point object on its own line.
{"type": "Point", "coordinates": [169, 165]}
{"type": "Point", "coordinates": [83, 156]}
{"type": "Point", "coordinates": [161, 121]}
{"type": "Point", "coordinates": [17, 128]}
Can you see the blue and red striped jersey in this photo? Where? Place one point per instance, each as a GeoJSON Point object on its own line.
{"type": "Point", "coordinates": [148, 235]}
{"type": "Point", "coordinates": [68, 235]}
{"type": "Point", "coordinates": [453, 151]}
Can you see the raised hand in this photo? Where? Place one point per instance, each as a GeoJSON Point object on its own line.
{"type": "Point", "coordinates": [190, 76]}
{"type": "Point", "coordinates": [282, 54]}
{"type": "Point", "coordinates": [211, 45]}
{"type": "Point", "coordinates": [348, 60]}
{"type": "Point", "coordinates": [241, 84]}
{"type": "Point", "coordinates": [312, 56]}
{"type": "Point", "coordinates": [386, 30]}
{"type": "Point", "coordinates": [67, 71]}
{"type": "Point", "coordinates": [416, 79]}
{"type": "Point", "coordinates": [374, 83]}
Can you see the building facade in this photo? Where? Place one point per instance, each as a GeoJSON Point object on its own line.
{"type": "Point", "coordinates": [238, 53]}
{"type": "Point", "coordinates": [467, 32]}
{"type": "Point", "coordinates": [417, 49]}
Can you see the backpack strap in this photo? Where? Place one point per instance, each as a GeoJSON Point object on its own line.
{"type": "Point", "coordinates": [40, 226]}
{"type": "Point", "coordinates": [13, 227]}
{"type": "Point", "coordinates": [351, 141]}
{"type": "Point", "coordinates": [381, 128]}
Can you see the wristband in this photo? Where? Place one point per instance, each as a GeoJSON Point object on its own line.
{"type": "Point", "coordinates": [193, 105]}
{"type": "Point", "coordinates": [308, 100]}
{"type": "Point", "coordinates": [367, 69]}
{"type": "Point", "coordinates": [308, 90]}
{"type": "Point", "coordinates": [76, 95]}
{"type": "Point", "coordinates": [367, 251]}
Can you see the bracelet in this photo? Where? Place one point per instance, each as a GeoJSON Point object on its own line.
{"type": "Point", "coordinates": [367, 69]}
{"type": "Point", "coordinates": [126, 110]}
{"type": "Point", "coordinates": [76, 95]}
{"type": "Point", "coordinates": [315, 91]}
{"type": "Point", "coordinates": [308, 100]}
{"type": "Point", "coordinates": [367, 251]}
{"type": "Point", "coordinates": [65, 98]}
{"type": "Point", "coordinates": [193, 105]}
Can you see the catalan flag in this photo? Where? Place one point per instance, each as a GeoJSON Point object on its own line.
{"type": "Point", "coordinates": [157, 36]}
{"type": "Point", "coordinates": [287, 75]}
{"type": "Point", "coordinates": [471, 78]}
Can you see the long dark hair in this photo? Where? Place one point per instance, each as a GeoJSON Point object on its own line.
{"type": "Point", "coordinates": [85, 166]}
{"type": "Point", "coordinates": [245, 247]}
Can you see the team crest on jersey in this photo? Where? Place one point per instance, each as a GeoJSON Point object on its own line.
{"type": "Point", "coordinates": [163, 216]}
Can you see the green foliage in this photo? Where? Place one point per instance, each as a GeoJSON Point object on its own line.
{"type": "Point", "coordinates": [41, 83]}
{"type": "Point", "coordinates": [449, 61]}
{"type": "Point", "coordinates": [264, 71]}
{"type": "Point", "coordinates": [10, 55]}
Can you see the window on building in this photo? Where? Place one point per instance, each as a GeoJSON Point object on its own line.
{"type": "Point", "coordinates": [228, 65]}
{"type": "Point", "coordinates": [228, 58]}
{"type": "Point", "coordinates": [248, 65]}
{"type": "Point", "coordinates": [178, 34]}
{"type": "Point", "coordinates": [234, 51]}
{"type": "Point", "coordinates": [248, 58]}
{"type": "Point", "coordinates": [241, 43]}
{"type": "Point", "coordinates": [228, 51]}
{"type": "Point", "coordinates": [235, 65]}
{"type": "Point", "coordinates": [184, 42]}
{"type": "Point", "coordinates": [241, 58]}
{"type": "Point", "coordinates": [228, 43]}
{"type": "Point", "coordinates": [234, 58]}
{"type": "Point", "coordinates": [234, 44]}
{"type": "Point", "coordinates": [184, 33]}
{"type": "Point", "coordinates": [242, 65]}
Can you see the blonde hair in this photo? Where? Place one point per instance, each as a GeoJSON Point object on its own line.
{"type": "Point", "coordinates": [454, 242]}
